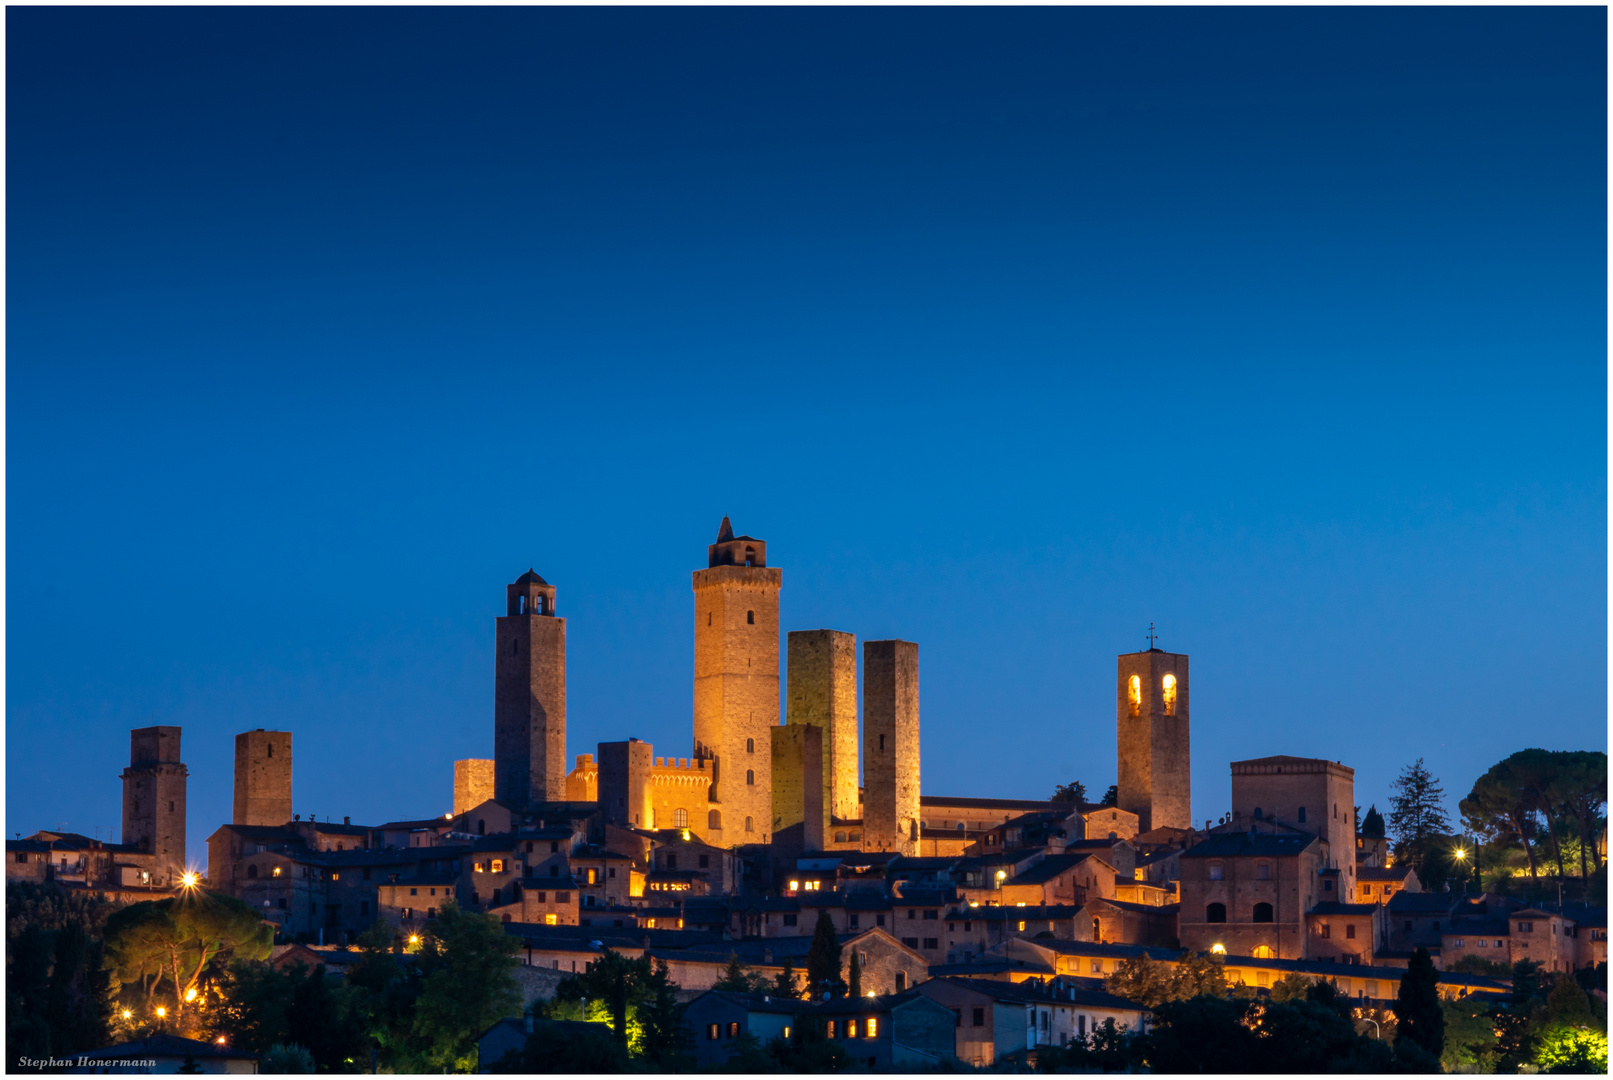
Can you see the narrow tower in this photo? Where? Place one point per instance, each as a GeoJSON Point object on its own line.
{"type": "Point", "coordinates": [821, 691]}
{"type": "Point", "coordinates": [1152, 739]}
{"type": "Point", "coordinates": [736, 685]}
{"type": "Point", "coordinates": [529, 698]}
{"type": "Point", "coordinates": [154, 800]}
{"type": "Point", "coordinates": [262, 777]}
{"type": "Point", "coordinates": [891, 746]}
{"type": "Point", "coordinates": [473, 783]}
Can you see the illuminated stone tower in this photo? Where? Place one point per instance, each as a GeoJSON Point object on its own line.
{"type": "Point", "coordinates": [1152, 739]}
{"type": "Point", "coordinates": [736, 683]}
{"type": "Point", "coordinates": [154, 800]}
{"type": "Point", "coordinates": [891, 746]}
{"type": "Point", "coordinates": [821, 691]}
{"type": "Point", "coordinates": [529, 698]}
{"type": "Point", "coordinates": [262, 777]}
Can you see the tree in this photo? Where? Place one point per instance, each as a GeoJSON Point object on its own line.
{"type": "Point", "coordinates": [1470, 1039]}
{"type": "Point", "coordinates": [1291, 987]}
{"type": "Point", "coordinates": [1582, 789]}
{"type": "Point", "coordinates": [1416, 811]}
{"type": "Point", "coordinates": [1422, 1019]}
{"type": "Point", "coordinates": [1150, 982]}
{"type": "Point", "coordinates": [666, 1040]}
{"type": "Point", "coordinates": [570, 1049]}
{"type": "Point", "coordinates": [1205, 1035]}
{"type": "Point", "coordinates": [823, 959]}
{"type": "Point", "coordinates": [467, 964]}
{"type": "Point", "coordinates": [287, 1058]}
{"type": "Point", "coordinates": [1372, 824]}
{"type": "Point", "coordinates": [1111, 797]}
{"type": "Point", "coordinates": [855, 978]}
{"type": "Point", "coordinates": [784, 984]}
{"type": "Point", "coordinates": [1074, 793]}
{"type": "Point", "coordinates": [740, 979]}
{"type": "Point", "coordinates": [176, 939]}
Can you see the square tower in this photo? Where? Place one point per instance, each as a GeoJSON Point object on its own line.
{"type": "Point", "coordinates": [1309, 794]}
{"type": "Point", "coordinates": [1151, 736]}
{"type": "Point", "coordinates": [891, 746]}
{"type": "Point", "coordinates": [736, 682]}
{"type": "Point", "coordinates": [262, 778]}
{"type": "Point", "coordinates": [798, 788]}
{"type": "Point", "coordinates": [154, 800]}
{"type": "Point", "coordinates": [625, 795]}
{"type": "Point", "coordinates": [529, 698]}
{"type": "Point", "coordinates": [473, 783]}
{"type": "Point", "coordinates": [821, 691]}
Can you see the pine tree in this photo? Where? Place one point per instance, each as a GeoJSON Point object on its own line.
{"type": "Point", "coordinates": [1112, 796]}
{"type": "Point", "coordinates": [856, 977]}
{"type": "Point", "coordinates": [1420, 1016]}
{"type": "Point", "coordinates": [784, 983]}
{"type": "Point", "coordinates": [1372, 824]}
{"type": "Point", "coordinates": [1074, 792]}
{"type": "Point", "coordinates": [1417, 812]}
{"type": "Point", "coordinates": [823, 959]}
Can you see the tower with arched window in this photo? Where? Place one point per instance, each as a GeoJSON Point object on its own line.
{"type": "Point", "coordinates": [736, 681]}
{"type": "Point", "coordinates": [529, 697]}
{"type": "Point", "coordinates": [1152, 739]}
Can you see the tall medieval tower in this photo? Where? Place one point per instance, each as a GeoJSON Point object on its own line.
{"type": "Point", "coordinates": [1152, 739]}
{"type": "Point", "coordinates": [262, 777]}
{"type": "Point", "coordinates": [736, 683]}
{"type": "Point", "coordinates": [154, 800]}
{"type": "Point", "coordinates": [821, 691]}
{"type": "Point", "coordinates": [891, 746]}
{"type": "Point", "coordinates": [529, 698]}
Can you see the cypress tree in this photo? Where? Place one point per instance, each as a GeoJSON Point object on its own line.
{"type": "Point", "coordinates": [784, 983]}
{"type": "Point", "coordinates": [1418, 1010]}
{"type": "Point", "coordinates": [856, 978]}
{"type": "Point", "coordinates": [823, 958]}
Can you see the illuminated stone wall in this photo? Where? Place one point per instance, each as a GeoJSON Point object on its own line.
{"type": "Point", "coordinates": [798, 788]}
{"type": "Point", "coordinates": [1292, 890]}
{"type": "Point", "coordinates": [582, 783]}
{"type": "Point", "coordinates": [473, 783]}
{"type": "Point", "coordinates": [1280, 787]}
{"type": "Point", "coordinates": [262, 778]}
{"type": "Point", "coordinates": [821, 690]}
{"type": "Point", "coordinates": [891, 746]}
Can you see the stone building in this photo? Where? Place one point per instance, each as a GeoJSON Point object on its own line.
{"type": "Point", "coordinates": [1249, 892]}
{"type": "Point", "coordinates": [154, 801]}
{"type": "Point", "coordinates": [529, 697]}
{"type": "Point", "coordinates": [736, 684]}
{"type": "Point", "coordinates": [1151, 717]}
{"type": "Point", "coordinates": [1307, 794]}
{"type": "Point", "coordinates": [890, 817]}
{"type": "Point", "coordinates": [474, 783]}
{"type": "Point", "coordinates": [262, 778]}
{"type": "Point", "coordinates": [821, 692]}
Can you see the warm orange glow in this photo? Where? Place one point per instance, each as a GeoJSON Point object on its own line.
{"type": "Point", "coordinates": [1461, 854]}
{"type": "Point", "coordinates": [873, 1024]}
{"type": "Point", "coordinates": [127, 1013]}
{"type": "Point", "coordinates": [414, 939]}
{"type": "Point", "coordinates": [551, 920]}
{"type": "Point", "coordinates": [1169, 684]}
{"type": "Point", "coordinates": [161, 1012]}
{"type": "Point", "coordinates": [219, 1040]}
{"type": "Point", "coordinates": [1262, 952]}
{"type": "Point", "coordinates": [276, 872]}
{"type": "Point", "coordinates": [1218, 949]}
{"type": "Point", "coordinates": [189, 879]}
{"type": "Point", "coordinates": [190, 995]}
{"type": "Point", "coordinates": [1134, 694]}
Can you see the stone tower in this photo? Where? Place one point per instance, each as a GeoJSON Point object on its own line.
{"type": "Point", "coordinates": [473, 783]}
{"type": "Point", "coordinates": [529, 698]}
{"type": "Point", "coordinates": [891, 746]}
{"type": "Point", "coordinates": [262, 777]}
{"type": "Point", "coordinates": [154, 800]}
{"type": "Point", "coordinates": [736, 684]}
{"type": "Point", "coordinates": [1152, 739]}
{"type": "Point", "coordinates": [625, 797]}
{"type": "Point", "coordinates": [821, 691]}
{"type": "Point", "coordinates": [799, 814]}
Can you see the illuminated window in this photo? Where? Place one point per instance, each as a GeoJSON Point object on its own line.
{"type": "Point", "coordinates": [829, 1029]}
{"type": "Point", "coordinates": [795, 886]}
{"type": "Point", "coordinates": [478, 868]}
{"type": "Point", "coordinates": [275, 872]}
{"type": "Point", "coordinates": [1134, 694]}
{"type": "Point", "coordinates": [733, 1029]}
{"type": "Point", "coordinates": [1022, 924]}
{"type": "Point", "coordinates": [713, 1032]}
{"type": "Point", "coordinates": [1170, 695]}
{"type": "Point", "coordinates": [593, 876]}
{"type": "Point", "coordinates": [680, 819]}
{"type": "Point", "coordinates": [786, 1032]}
{"type": "Point", "coordinates": [872, 1028]}
{"type": "Point", "coordinates": [498, 866]}
{"type": "Point", "coordinates": [551, 920]}
{"type": "Point", "coordinates": [851, 1029]}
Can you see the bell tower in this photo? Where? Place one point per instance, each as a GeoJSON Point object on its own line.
{"type": "Point", "coordinates": [1155, 780]}
{"type": "Point", "coordinates": [736, 683]}
{"type": "Point", "coordinates": [529, 698]}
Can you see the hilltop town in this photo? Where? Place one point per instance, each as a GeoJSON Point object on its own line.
{"type": "Point", "coordinates": [1006, 914]}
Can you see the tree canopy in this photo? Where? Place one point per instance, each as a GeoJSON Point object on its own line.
{"type": "Point", "coordinates": [174, 940]}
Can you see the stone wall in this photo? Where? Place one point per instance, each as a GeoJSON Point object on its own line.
{"type": "Point", "coordinates": [798, 789]}
{"type": "Point", "coordinates": [529, 710]}
{"type": "Point", "coordinates": [154, 800]}
{"type": "Point", "coordinates": [891, 746]}
{"type": "Point", "coordinates": [473, 783]}
{"type": "Point", "coordinates": [1153, 746]}
{"type": "Point", "coordinates": [262, 778]}
{"type": "Point", "coordinates": [822, 691]}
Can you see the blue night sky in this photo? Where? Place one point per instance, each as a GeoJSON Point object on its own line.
{"type": "Point", "coordinates": [1010, 331]}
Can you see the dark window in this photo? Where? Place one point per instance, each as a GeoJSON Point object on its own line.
{"type": "Point", "coordinates": [1257, 813]}
{"type": "Point", "coordinates": [714, 820]}
{"type": "Point", "coordinates": [852, 918]}
{"type": "Point", "coordinates": [912, 913]}
{"type": "Point", "coordinates": [931, 943]}
{"type": "Point", "coordinates": [363, 907]}
{"type": "Point", "coordinates": [882, 742]}
{"type": "Point", "coordinates": [750, 746]}
{"type": "Point", "coordinates": [911, 942]}
{"type": "Point", "coordinates": [612, 871]}
{"type": "Point", "coordinates": [705, 861]}
{"type": "Point", "coordinates": [1327, 886]}
{"type": "Point", "coordinates": [879, 920]}
{"type": "Point", "coordinates": [251, 871]}
{"type": "Point", "coordinates": [750, 617]}
{"type": "Point", "coordinates": [979, 1018]}
{"type": "Point", "coordinates": [1349, 930]}
{"type": "Point", "coordinates": [529, 847]}
{"type": "Point", "coordinates": [1302, 814]}
{"type": "Point", "coordinates": [366, 874]}
{"type": "Point", "coordinates": [750, 776]}
{"type": "Point", "coordinates": [1327, 931]}
{"type": "Point", "coordinates": [1262, 913]}
{"type": "Point", "coordinates": [789, 920]}
{"type": "Point", "coordinates": [1215, 913]}
{"type": "Point", "coordinates": [672, 860]}
{"type": "Point", "coordinates": [554, 846]}
{"type": "Point", "coordinates": [281, 903]}
{"type": "Point", "coordinates": [481, 827]}
{"type": "Point", "coordinates": [22, 857]}
{"type": "Point", "coordinates": [929, 914]}
{"type": "Point", "coordinates": [562, 898]}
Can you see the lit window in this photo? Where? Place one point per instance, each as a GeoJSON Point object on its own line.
{"type": "Point", "coordinates": [851, 1029]}
{"type": "Point", "coordinates": [551, 920]}
{"type": "Point", "coordinates": [786, 1032]}
{"type": "Point", "coordinates": [680, 819]}
{"type": "Point", "coordinates": [1022, 924]}
{"type": "Point", "coordinates": [276, 872]}
{"type": "Point", "coordinates": [478, 868]}
{"type": "Point", "coordinates": [1170, 695]}
{"type": "Point", "coordinates": [872, 1029]}
{"type": "Point", "coordinates": [1134, 694]}
{"type": "Point", "coordinates": [498, 866]}
{"type": "Point", "coordinates": [795, 886]}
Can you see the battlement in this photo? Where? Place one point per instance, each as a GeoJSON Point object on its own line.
{"type": "Point", "coordinates": [669, 771]}
{"type": "Point", "coordinates": [585, 761]}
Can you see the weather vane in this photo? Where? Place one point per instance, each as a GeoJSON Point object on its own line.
{"type": "Point", "coordinates": [1152, 637]}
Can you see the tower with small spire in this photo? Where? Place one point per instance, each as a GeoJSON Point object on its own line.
{"type": "Point", "coordinates": [529, 697]}
{"type": "Point", "coordinates": [1151, 736]}
{"type": "Point", "coordinates": [736, 684]}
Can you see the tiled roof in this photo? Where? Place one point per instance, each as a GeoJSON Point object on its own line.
{"type": "Point", "coordinates": [1014, 914]}
{"type": "Point", "coordinates": [1035, 993]}
{"type": "Point", "coordinates": [1050, 868]}
{"type": "Point", "coordinates": [1333, 907]}
{"type": "Point", "coordinates": [1233, 845]}
{"type": "Point", "coordinates": [1380, 873]}
{"type": "Point", "coordinates": [169, 1046]}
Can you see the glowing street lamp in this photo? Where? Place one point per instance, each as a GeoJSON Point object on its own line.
{"type": "Point", "coordinates": [1218, 949]}
{"type": "Point", "coordinates": [128, 1013]}
{"type": "Point", "coordinates": [190, 994]}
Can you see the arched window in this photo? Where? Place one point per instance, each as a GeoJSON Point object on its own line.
{"type": "Point", "coordinates": [1134, 694]}
{"type": "Point", "coordinates": [1215, 913]}
{"type": "Point", "coordinates": [749, 825]}
{"type": "Point", "coordinates": [750, 748]}
{"type": "Point", "coordinates": [960, 826]}
{"type": "Point", "coordinates": [714, 820]}
{"type": "Point", "coordinates": [1262, 952]}
{"type": "Point", "coordinates": [252, 871]}
{"type": "Point", "coordinates": [481, 826]}
{"type": "Point", "coordinates": [840, 838]}
{"type": "Point", "coordinates": [680, 818]}
{"type": "Point", "coordinates": [750, 776]}
{"type": "Point", "coordinates": [1302, 814]}
{"type": "Point", "coordinates": [1262, 912]}
{"type": "Point", "coordinates": [750, 556]}
{"type": "Point", "coordinates": [750, 617]}
{"type": "Point", "coordinates": [1170, 695]}
{"type": "Point", "coordinates": [1097, 929]}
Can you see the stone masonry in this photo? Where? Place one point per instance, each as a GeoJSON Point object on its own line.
{"type": "Point", "coordinates": [736, 683]}
{"type": "Point", "coordinates": [262, 778]}
{"type": "Point", "coordinates": [798, 788]}
{"type": "Point", "coordinates": [529, 697]}
{"type": "Point", "coordinates": [891, 746]}
{"type": "Point", "coordinates": [821, 690]}
{"type": "Point", "coordinates": [1151, 718]}
{"type": "Point", "coordinates": [473, 783]}
{"type": "Point", "coordinates": [154, 800]}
